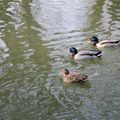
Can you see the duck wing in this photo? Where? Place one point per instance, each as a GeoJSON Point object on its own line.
{"type": "Point", "coordinates": [76, 77]}
{"type": "Point", "coordinates": [90, 52]}
{"type": "Point", "coordinates": [110, 42]}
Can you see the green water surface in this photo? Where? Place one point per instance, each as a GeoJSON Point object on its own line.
{"type": "Point", "coordinates": [35, 36]}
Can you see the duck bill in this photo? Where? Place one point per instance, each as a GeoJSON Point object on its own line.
{"type": "Point", "coordinates": [89, 42]}
{"type": "Point", "coordinates": [71, 54]}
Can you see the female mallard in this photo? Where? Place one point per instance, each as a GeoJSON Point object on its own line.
{"type": "Point", "coordinates": [84, 54]}
{"type": "Point", "coordinates": [105, 43]}
{"type": "Point", "coordinates": [72, 77]}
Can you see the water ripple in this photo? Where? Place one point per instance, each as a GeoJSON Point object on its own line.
{"type": "Point", "coordinates": [34, 41]}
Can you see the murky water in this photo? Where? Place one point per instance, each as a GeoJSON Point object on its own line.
{"type": "Point", "coordinates": [35, 37]}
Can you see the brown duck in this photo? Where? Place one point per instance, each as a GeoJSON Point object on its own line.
{"type": "Point", "coordinates": [72, 77]}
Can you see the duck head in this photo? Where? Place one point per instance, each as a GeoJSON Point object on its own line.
{"type": "Point", "coordinates": [64, 71]}
{"type": "Point", "coordinates": [73, 51]}
{"type": "Point", "coordinates": [94, 40]}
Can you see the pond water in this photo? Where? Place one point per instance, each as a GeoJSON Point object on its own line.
{"type": "Point", "coordinates": [35, 37]}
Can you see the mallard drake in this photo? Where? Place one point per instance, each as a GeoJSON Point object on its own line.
{"type": "Point", "coordinates": [72, 77]}
{"type": "Point", "coordinates": [84, 54]}
{"type": "Point", "coordinates": [104, 43]}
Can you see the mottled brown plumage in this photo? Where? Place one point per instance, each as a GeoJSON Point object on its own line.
{"type": "Point", "coordinates": [72, 77]}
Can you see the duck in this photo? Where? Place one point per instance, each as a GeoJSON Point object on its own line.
{"type": "Point", "coordinates": [84, 54]}
{"type": "Point", "coordinates": [72, 77]}
{"type": "Point", "coordinates": [104, 43]}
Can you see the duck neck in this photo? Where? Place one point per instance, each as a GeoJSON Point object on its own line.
{"type": "Point", "coordinates": [73, 54]}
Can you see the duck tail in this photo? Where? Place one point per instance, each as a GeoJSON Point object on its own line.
{"type": "Point", "coordinates": [118, 42]}
{"type": "Point", "coordinates": [85, 78]}
{"type": "Point", "coordinates": [98, 54]}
